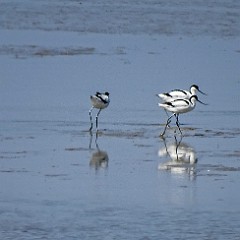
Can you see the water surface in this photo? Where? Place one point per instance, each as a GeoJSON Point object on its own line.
{"type": "Point", "coordinates": [58, 181]}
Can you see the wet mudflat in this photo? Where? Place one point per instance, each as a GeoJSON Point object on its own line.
{"type": "Point", "coordinates": [59, 181]}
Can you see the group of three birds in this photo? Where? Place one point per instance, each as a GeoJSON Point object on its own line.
{"type": "Point", "coordinates": [177, 101]}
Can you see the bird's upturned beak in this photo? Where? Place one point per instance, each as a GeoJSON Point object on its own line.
{"type": "Point", "coordinates": [202, 102]}
{"type": "Point", "coordinates": [202, 92]}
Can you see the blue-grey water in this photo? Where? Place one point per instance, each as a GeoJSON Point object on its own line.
{"type": "Point", "coordinates": [58, 181]}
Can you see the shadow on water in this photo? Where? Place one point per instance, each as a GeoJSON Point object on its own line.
{"type": "Point", "coordinates": [99, 158]}
{"type": "Point", "coordinates": [183, 157]}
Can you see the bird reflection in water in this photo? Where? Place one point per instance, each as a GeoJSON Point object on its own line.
{"type": "Point", "coordinates": [183, 157]}
{"type": "Point", "coordinates": [99, 159]}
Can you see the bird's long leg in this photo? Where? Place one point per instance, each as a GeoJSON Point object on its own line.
{"type": "Point", "coordinates": [168, 121]}
{"type": "Point", "coordinates": [178, 124]}
{"type": "Point", "coordinates": [90, 141]}
{"type": "Point", "coordinates": [97, 119]}
{"type": "Point", "coordinates": [168, 117]}
{"type": "Point", "coordinates": [177, 117]}
{"type": "Point", "coordinates": [165, 145]}
{"type": "Point", "coordinates": [90, 115]}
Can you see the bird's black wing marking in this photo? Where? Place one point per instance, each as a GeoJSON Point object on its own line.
{"type": "Point", "coordinates": [99, 96]}
{"type": "Point", "coordinates": [169, 104]}
{"type": "Point", "coordinates": [177, 101]}
{"type": "Point", "coordinates": [103, 100]}
{"type": "Point", "coordinates": [180, 90]}
{"type": "Point", "coordinates": [167, 94]}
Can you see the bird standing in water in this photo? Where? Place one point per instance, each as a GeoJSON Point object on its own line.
{"type": "Point", "coordinates": [179, 106]}
{"type": "Point", "coordinates": [99, 101]}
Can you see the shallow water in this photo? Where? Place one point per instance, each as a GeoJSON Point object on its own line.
{"type": "Point", "coordinates": [52, 188]}
{"type": "Point", "coordinates": [58, 181]}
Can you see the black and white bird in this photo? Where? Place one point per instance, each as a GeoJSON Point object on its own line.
{"type": "Point", "coordinates": [180, 94]}
{"type": "Point", "coordinates": [179, 106]}
{"type": "Point", "coordinates": [99, 101]}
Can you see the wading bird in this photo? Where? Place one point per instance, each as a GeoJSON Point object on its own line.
{"type": "Point", "coordinates": [180, 94]}
{"type": "Point", "coordinates": [179, 106]}
{"type": "Point", "coordinates": [99, 101]}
